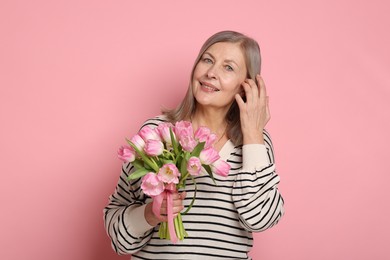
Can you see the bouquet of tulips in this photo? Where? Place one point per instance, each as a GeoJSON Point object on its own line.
{"type": "Point", "coordinates": [165, 157]}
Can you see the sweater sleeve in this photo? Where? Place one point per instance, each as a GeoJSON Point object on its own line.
{"type": "Point", "coordinates": [124, 216]}
{"type": "Point", "coordinates": [255, 191]}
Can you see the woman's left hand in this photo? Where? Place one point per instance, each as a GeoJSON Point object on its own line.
{"type": "Point", "coordinates": [254, 113]}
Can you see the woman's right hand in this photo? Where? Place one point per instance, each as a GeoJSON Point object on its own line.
{"type": "Point", "coordinates": [254, 113]}
{"type": "Point", "coordinates": [178, 206]}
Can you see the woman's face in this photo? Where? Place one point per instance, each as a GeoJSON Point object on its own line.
{"type": "Point", "coordinates": [218, 75]}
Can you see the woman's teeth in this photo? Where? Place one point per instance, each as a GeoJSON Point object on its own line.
{"type": "Point", "coordinates": [209, 88]}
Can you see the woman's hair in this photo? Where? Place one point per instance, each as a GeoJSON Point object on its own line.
{"type": "Point", "coordinates": [251, 51]}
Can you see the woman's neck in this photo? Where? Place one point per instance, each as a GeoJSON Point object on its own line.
{"type": "Point", "coordinates": [213, 119]}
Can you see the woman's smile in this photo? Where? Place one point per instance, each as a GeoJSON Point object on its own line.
{"type": "Point", "coordinates": [208, 87]}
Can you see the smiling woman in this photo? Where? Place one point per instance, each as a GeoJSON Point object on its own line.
{"type": "Point", "coordinates": [227, 95]}
{"type": "Point", "coordinates": [218, 76]}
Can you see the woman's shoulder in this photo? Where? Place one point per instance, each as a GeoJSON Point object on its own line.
{"type": "Point", "coordinates": [155, 121]}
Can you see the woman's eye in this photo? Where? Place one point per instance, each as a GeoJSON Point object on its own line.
{"type": "Point", "coordinates": [207, 60]}
{"type": "Point", "coordinates": [229, 68]}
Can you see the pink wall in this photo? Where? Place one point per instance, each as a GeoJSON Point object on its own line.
{"type": "Point", "coordinates": [74, 76]}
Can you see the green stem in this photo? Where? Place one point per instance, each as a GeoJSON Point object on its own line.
{"type": "Point", "coordinates": [177, 228]}
{"type": "Point", "coordinates": [183, 179]}
{"type": "Point", "coordinates": [193, 197]}
{"type": "Point", "coordinates": [182, 229]}
{"type": "Point", "coordinates": [171, 155]}
{"type": "Point", "coordinates": [154, 162]}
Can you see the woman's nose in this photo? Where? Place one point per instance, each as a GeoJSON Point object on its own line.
{"type": "Point", "coordinates": [212, 72]}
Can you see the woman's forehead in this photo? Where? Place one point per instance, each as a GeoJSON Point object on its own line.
{"type": "Point", "coordinates": [226, 50]}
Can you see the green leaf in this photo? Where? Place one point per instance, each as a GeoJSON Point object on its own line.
{"type": "Point", "coordinates": [165, 161]}
{"type": "Point", "coordinates": [174, 143]}
{"type": "Point", "coordinates": [147, 167]}
{"type": "Point", "coordinates": [138, 164]}
{"type": "Point", "coordinates": [138, 174]}
{"type": "Point", "coordinates": [208, 170]}
{"type": "Point", "coordinates": [178, 160]}
{"type": "Point", "coordinates": [198, 149]}
{"type": "Point", "coordinates": [143, 156]}
{"type": "Point", "coordinates": [183, 166]}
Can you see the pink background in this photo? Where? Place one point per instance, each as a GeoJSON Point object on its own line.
{"type": "Point", "coordinates": [77, 77]}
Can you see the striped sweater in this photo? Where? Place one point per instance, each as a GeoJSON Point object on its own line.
{"type": "Point", "coordinates": [222, 219]}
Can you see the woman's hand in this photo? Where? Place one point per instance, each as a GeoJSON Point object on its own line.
{"type": "Point", "coordinates": [254, 113]}
{"type": "Point", "coordinates": [153, 220]}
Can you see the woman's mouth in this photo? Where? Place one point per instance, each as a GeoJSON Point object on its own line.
{"type": "Point", "coordinates": [208, 87]}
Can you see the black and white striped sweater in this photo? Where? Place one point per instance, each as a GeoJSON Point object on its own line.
{"type": "Point", "coordinates": [220, 223]}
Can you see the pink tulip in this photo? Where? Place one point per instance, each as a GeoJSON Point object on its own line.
{"type": "Point", "coordinates": [169, 173]}
{"type": "Point", "coordinates": [187, 141]}
{"type": "Point", "coordinates": [153, 147]}
{"type": "Point", "coordinates": [126, 153]}
{"type": "Point", "coordinates": [194, 166]}
{"type": "Point", "coordinates": [151, 184]}
{"type": "Point", "coordinates": [164, 131]}
{"type": "Point", "coordinates": [138, 142]}
{"type": "Point", "coordinates": [208, 156]}
{"type": "Point", "coordinates": [147, 133]}
{"type": "Point", "coordinates": [202, 133]}
{"type": "Point", "coordinates": [183, 130]}
{"type": "Point", "coordinates": [180, 125]}
{"type": "Point", "coordinates": [210, 140]}
{"type": "Point", "coordinates": [221, 168]}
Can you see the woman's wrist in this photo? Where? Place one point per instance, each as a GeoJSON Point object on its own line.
{"type": "Point", "coordinates": [253, 137]}
{"type": "Point", "coordinates": [149, 215]}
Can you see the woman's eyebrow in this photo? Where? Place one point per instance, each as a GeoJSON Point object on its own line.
{"type": "Point", "coordinates": [208, 53]}
{"type": "Point", "coordinates": [227, 60]}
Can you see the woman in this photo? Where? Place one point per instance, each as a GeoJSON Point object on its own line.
{"type": "Point", "coordinates": [226, 94]}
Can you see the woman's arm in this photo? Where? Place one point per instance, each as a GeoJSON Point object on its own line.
{"type": "Point", "coordinates": [124, 217]}
{"type": "Point", "coordinates": [255, 191]}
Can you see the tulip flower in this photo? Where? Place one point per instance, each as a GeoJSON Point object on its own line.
{"type": "Point", "coordinates": [147, 133]}
{"type": "Point", "coordinates": [210, 140]}
{"type": "Point", "coordinates": [194, 166]}
{"type": "Point", "coordinates": [126, 154]}
{"type": "Point", "coordinates": [169, 173]}
{"type": "Point", "coordinates": [187, 141]}
{"type": "Point", "coordinates": [164, 131]}
{"type": "Point", "coordinates": [153, 147]}
{"type": "Point", "coordinates": [151, 184]}
{"type": "Point", "coordinates": [184, 125]}
{"type": "Point", "coordinates": [208, 156]}
{"type": "Point", "coordinates": [221, 168]}
{"type": "Point", "coordinates": [185, 135]}
{"type": "Point", "coordinates": [202, 133]}
{"type": "Point", "coordinates": [138, 142]}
